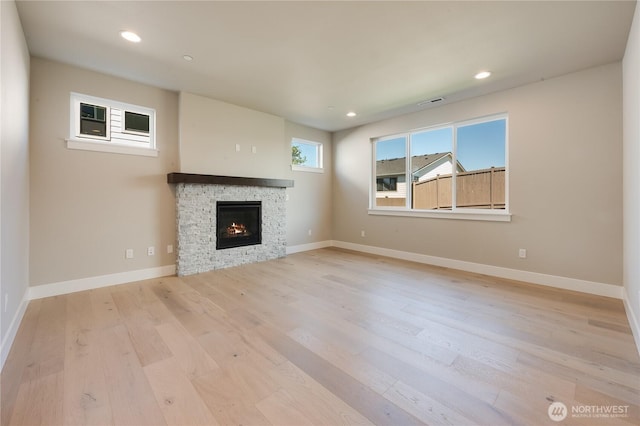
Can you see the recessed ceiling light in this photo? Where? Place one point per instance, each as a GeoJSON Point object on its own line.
{"type": "Point", "coordinates": [188, 58]}
{"type": "Point", "coordinates": [482, 74]}
{"type": "Point", "coordinates": [130, 36]}
{"type": "Point", "coordinates": [351, 114]}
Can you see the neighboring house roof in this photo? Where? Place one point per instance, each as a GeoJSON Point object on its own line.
{"type": "Point", "coordinates": [396, 166]}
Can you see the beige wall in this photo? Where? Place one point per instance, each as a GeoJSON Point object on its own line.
{"type": "Point", "coordinates": [209, 132]}
{"type": "Point", "coordinates": [310, 200]}
{"type": "Point", "coordinates": [88, 207]}
{"type": "Point", "coordinates": [565, 159]}
{"type": "Point", "coordinates": [631, 119]}
{"type": "Point", "coordinates": [211, 129]}
{"type": "Point", "coordinates": [14, 178]}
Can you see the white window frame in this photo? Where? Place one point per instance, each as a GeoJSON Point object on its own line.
{"type": "Point", "coordinates": [129, 142]}
{"type": "Point", "coordinates": [455, 213]}
{"type": "Point", "coordinates": [319, 147]}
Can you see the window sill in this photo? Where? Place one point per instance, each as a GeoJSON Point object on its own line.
{"type": "Point", "coordinates": [441, 214]}
{"type": "Point", "coordinates": [306, 169]}
{"type": "Point", "coordinates": [111, 148]}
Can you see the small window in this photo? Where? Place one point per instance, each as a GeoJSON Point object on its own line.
{"type": "Point", "coordinates": [136, 123]}
{"type": "Point", "coordinates": [387, 184]}
{"type": "Point", "coordinates": [105, 125]}
{"type": "Point", "coordinates": [93, 121]}
{"type": "Point", "coordinates": [306, 155]}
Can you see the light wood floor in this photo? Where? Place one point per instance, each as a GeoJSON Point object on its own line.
{"type": "Point", "coordinates": [326, 337]}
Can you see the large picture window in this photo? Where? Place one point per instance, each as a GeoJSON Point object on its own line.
{"type": "Point", "coordinates": [457, 167]}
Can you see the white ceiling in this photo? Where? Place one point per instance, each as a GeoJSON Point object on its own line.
{"type": "Point", "coordinates": [312, 62]}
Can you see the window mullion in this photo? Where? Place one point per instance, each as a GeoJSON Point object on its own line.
{"type": "Point", "coordinates": [408, 175]}
{"type": "Point", "coordinates": [454, 169]}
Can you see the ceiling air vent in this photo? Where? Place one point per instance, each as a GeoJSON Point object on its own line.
{"type": "Point", "coordinates": [431, 101]}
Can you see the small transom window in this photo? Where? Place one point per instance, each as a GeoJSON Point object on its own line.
{"type": "Point", "coordinates": [99, 124]}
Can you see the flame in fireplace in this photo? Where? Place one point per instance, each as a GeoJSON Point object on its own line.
{"type": "Point", "coordinates": [237, 230]}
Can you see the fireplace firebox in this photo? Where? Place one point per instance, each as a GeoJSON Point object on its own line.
{"type": "Point", "coordinates": [238, 223]}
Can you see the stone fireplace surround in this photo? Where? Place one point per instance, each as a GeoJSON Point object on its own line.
{"type": "Point", "coordinates": [196, 197]}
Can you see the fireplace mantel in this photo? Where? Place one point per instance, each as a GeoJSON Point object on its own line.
{"type": "Point", "coordinates": [227, 180]}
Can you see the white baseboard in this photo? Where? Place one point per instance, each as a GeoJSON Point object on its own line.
{"type": "Point", "coordinates": [633, 319]}
{"type": "Point", "coordinates": [65, 287]}
{"type": "Point", "coordinates": [600, 289]}
{"type": "Point", "coordinates": [8, 338]}
{"type": "Point", "coordinates": [310, 246]}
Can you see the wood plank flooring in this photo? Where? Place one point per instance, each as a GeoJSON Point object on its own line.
{"type": "Point", "coordinates": [326, 337]}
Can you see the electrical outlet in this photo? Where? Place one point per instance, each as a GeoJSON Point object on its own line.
{"type": "Point", "coordinates": [522, 253]}
{"type": "Point", "coordinates": [309, 232]}
{"type": "Point", "coordinates": [170, 248]}
{"type": "Point", "coordinates": [237, 147]}
{"type": "Point", "coordinates": [151, 251]}
{"type": "Point", "coordinates": [128, 254]}
{"type": "Point", "coordinates": [362, 234]}
{"type": "Point", "coordinates": [254, 149]}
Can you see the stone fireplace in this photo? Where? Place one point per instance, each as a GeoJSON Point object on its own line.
{"type": "Point", "coordinates": [205, 204]}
